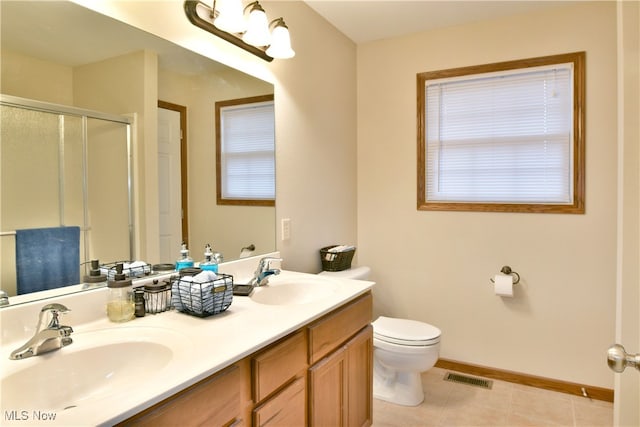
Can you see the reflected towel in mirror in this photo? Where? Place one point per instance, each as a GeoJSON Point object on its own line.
{"type": "Point", "coordinates": [47, 258]}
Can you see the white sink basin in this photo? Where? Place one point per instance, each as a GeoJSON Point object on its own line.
{"type": "Point", "coordinates": [286, 290]}
{"type": "Point", "coordinates": [97, 364]}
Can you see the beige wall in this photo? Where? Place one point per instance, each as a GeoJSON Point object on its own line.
{"type": "Point", "coordinates": [33, 78]}
{"type": "Point", "coordinates": [435, 266]}
{"type": "Point", "coordinates": [315, 96]}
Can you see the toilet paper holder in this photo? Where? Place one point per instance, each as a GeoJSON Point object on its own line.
{"type": "Point", "coordinates": [507, 270]}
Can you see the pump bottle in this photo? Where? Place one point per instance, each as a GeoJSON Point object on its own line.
{"type": "Point", "coordinates": [185, 260]}
{"type": "Point", "coordinates": [120, 304]}
{"type": "Point", "coordinates": [209, 263]}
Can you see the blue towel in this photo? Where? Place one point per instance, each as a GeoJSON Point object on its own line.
{"type": "Point", "coordinates": [47, 258]}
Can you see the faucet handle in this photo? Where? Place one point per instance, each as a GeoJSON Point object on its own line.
{"type": "Point", "coordinates": [55, 307]}
{"type": "Point", "coordinates": [265, 263]}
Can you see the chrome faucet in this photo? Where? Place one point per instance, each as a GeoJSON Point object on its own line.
{"type": "Point", "coordinates": [49, 336]}
{"type": "Point", "coordinates": [264, 270]}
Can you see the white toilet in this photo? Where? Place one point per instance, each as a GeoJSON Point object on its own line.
{"type": "Point", "coordinates": [402, 350]}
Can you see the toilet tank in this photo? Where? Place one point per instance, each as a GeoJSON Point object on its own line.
{"type": "Point", "coordinates": [357, 273]}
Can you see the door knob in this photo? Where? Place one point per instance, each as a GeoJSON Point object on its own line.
{"type": "Point", "coordinates": [618, 359]}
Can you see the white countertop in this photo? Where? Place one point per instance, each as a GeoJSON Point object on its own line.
{"type": "Point", "coordinates": [206, 345]}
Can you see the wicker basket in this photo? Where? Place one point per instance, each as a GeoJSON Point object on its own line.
{"type": "Point", "coordinates": [202, 299]}
{"type": "Point", "coordinates": [336, 261]}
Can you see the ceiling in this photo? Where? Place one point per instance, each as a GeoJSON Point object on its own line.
{"type": "Point", "coordinates": [71, 35]}
{"type": "Point", "coordinates": [369, 20]}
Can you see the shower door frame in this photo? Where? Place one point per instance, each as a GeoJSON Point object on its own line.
{"type": "Point", "coordinates": [85, 114]}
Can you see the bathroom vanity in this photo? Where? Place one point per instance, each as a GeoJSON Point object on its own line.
{"type": "Point", "coordinates": [296, 352]}
{"type": "Point", "coordinates": [320, 373]}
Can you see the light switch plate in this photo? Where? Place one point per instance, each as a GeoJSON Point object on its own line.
{"type": "Point", "coordinates": [286, 228]}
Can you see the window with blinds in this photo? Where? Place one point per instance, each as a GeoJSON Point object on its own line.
{"type": "Point", "coordinates": [503, 137]}
{"type": "Point", "coordinates": [245, 149]}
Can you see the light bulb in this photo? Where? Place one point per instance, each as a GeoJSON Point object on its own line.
{"type": "Point", "coordinates": [280, 42]}
{"type": "Point", "coordinates": [230, 16]}
{"type": "Point", "coordinates": [258, 27]}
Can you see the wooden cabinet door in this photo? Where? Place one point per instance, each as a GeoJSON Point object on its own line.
{"type": "Point", "coordinates": [341, 385]}
{"type": "Point", "coordinates": [328, 391]}
{"type": "Point", "coordinates": [360, 386]}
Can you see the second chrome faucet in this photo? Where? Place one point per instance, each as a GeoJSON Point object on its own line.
{"type": "Point", "coordinates": [264, 270]}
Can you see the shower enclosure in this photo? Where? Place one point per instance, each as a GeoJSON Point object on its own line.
{"type": "Point", "coordinates": [65, 166]}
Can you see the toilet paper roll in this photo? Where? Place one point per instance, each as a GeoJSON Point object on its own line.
{"type": "Point", "coordinates": [503, 285]}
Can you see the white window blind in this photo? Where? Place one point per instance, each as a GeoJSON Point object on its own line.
{"type": "Point", "coordinates": [504, 137]}
{"type": "Point", "coordinates": [247, 135]}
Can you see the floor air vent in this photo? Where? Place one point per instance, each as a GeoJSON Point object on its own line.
{"type": "Point", "coordinates": [463, 379]}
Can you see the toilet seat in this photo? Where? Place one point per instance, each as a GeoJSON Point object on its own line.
{"type": "Point", "coordinates": [405, 332]}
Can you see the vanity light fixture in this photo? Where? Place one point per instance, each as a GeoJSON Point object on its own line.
{"type": "Point", "coordinates": [226, 19]}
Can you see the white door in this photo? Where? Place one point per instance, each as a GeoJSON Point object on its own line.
{"type": "Point", "coordinates": [627, 383]}
{"type": "Point", "coordinates": [169, 184]}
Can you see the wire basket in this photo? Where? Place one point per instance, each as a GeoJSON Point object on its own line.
{"type": "Point", "coordinates": [336, 261]}
{"type": "Point", "coordinates": [157, 296]}
{"type": "Point", "coordinates": [202, 299]}
{"type": "Point", "coordinates": [132, 272]}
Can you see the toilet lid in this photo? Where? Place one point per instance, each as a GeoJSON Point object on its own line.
{"type": "Point", "coordinates": [405, 331]}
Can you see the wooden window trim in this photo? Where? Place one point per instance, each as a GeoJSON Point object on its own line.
{"type": "Point", "coordinates": [578, 205]}
{"type": "Point", "coordinates": [219, 199]}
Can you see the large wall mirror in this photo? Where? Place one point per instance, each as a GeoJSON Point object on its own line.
{"type": "Point", "coordinates": [63, 53]}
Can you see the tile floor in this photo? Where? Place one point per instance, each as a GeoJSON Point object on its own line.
{"type": "Point", "coordinates": [505, 404]}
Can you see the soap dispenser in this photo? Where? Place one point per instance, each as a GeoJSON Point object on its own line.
{"type": "Point", "coordinates": [120, 303]}
{"type": "Point", "coordinates": [210, 261]}
{"type": "Point", "coordinates": [185, 260]}
{"type": "Point", "coordinates": [95, 278]}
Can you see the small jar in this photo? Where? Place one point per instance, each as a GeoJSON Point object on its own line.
{"type": "Point", "coordinates": [120, 304]}
{"type": "Point", "coordinates": [157, 296]}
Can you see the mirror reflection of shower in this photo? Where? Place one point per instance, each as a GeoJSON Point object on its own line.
{"type": "Point", "coordinates": [64, 167]}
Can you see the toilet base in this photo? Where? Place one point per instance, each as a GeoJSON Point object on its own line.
{"type": "Point", "coordinates": [401, 388]}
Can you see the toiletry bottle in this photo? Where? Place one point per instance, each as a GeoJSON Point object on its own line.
{"type": "Point", "coordinates": [140, 308]}
{"type": "Point", "coordinates": [120, 304]}
{"type": "Point", "coordinates": [95, 278]}
{"type": "Point", "coordinates": [185, 260]}
{"type": "Point", "coordinates": [209, 262]}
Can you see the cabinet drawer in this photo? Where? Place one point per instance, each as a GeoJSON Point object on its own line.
{"type": "Point", "coordinates": [278, 364]}
{"type": "Point", "coordinates": [214, 401]}
{"type": "Point", "coordinates": [331, 331]}
{"type": "Point", "coordinates": [287, 408]}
